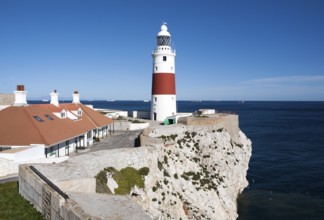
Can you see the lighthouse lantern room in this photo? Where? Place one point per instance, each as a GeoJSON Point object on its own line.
{"type": "Point", "coordinates": [163, 82]}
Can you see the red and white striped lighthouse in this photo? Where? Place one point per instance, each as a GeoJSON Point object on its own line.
{"type": "Point", "coordinates": [163, 82]}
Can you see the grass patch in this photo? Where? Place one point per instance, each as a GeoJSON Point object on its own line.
{"type": "Point", "coordinates": [101, 183]}
{"type": "Point", "coordinates": [126, 179]}
{"type": "Point", "coordinates": [13, 205]}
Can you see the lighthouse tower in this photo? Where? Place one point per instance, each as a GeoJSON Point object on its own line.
{"type": "Point", "coordinates": [163, 82]}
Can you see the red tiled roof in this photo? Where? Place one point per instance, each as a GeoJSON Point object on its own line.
{"type": "Point", "coordinates": [18, 127]}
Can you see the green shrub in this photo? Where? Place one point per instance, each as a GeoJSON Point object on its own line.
{"type": "Point", "coordinates": [144, 171]}
{"type": "Point", "coordinates": [185, 177]}
{"type": "Point", "coordinates": [165, 173]}
{"type": "Point", "coordinates": [126, 179]}
{"type": "Point", "coordinates": [101, 183]}
{"type": "Point", "coordinates": [173, 136]}
{"type": "Point", "coordinates": [160, 166]}
{"type": "Point", "coordinates": [129, 178]}
{"type": "Point", "coordinates": [165, 159]}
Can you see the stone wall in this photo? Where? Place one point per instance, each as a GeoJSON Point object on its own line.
{"type": "Point", "coordinates": [45, 199]}
{"type": "Point", "coordinates": [120, 125]}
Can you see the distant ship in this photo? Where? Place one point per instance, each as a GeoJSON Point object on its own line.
{"type": "Point", "coordinates": [146, 100]}
{"type": "Point", "coordinates": [45, 100]}
{"type": "Point", "coordinates": [111, 100]}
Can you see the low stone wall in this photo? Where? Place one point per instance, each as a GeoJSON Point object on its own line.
{"type": "Point", "coordinates": [138, 126]}
{"type": "Point", "coordinates": [127, 125]}
{"type": "Point", "coordinates": [46, 200]}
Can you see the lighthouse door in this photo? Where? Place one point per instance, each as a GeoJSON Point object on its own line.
{"type": "Point", "coordinates": [154, 116]}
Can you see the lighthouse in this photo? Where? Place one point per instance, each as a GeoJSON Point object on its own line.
{"type": "Point", "coordinates": [163, 104]}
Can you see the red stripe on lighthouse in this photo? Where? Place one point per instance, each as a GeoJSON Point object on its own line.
{"type": "Point", "coordinates": [163, 83]}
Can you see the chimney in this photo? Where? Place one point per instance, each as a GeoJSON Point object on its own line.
{"type": "Point", "coordinates": [20, 96]}
{"type": "Point", "coordinates": [76, 97]}
{"type": "Point", "coordinates": [54, 98]}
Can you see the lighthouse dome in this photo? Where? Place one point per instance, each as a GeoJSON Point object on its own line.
{"type": "Point", "coordinates": [164, 31]}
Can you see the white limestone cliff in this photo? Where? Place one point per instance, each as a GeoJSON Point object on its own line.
{"type": "Point", "coordinates": [198, 174]}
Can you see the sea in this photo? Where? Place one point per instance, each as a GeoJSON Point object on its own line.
{"type": "Point", "coordinates": [286, 170]}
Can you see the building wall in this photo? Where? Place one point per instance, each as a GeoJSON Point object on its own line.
{"type": "Point", "coordinates": [163, 106]}
{"type": "Point", "coordinates": [7, 99]}
{"type": "Point", "coordinates": [29, 153]}
{"type": "Point", "coordinates": [60, 150]}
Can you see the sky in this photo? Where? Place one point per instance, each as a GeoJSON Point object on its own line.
{"type": "Point", "coordinates": [226, 50]}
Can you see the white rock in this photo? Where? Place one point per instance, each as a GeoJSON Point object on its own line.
{"type": "Point", "coordinates": [111, 183]}
{"type": "Point", "coordinates": [216, 173]}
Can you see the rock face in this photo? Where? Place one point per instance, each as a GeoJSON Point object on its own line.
{"type": "Point", "coordinates": [198, 174]}
{"type": "Point", "coordinates": [195, 172]}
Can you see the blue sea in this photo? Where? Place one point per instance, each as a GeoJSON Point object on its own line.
{"type": "Point", "coordinates": [286, 171]}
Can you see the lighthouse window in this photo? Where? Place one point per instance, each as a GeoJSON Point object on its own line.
{"type": "Point", "coordinates": [155, 99]}
{"type": "Point", "coordinates": [156, 68]}
{"type": "Point", "coordinates": [164, 58]}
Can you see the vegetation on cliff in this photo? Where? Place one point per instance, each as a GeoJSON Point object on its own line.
{"type": "Point", "coordinates": [126, 179]}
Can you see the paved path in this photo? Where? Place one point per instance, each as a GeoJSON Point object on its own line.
{"type": "Point", "coordinates": [119, 139]}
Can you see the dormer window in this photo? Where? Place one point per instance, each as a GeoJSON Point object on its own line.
{"type": "Point", "coordinates": [63, 113]}
{"type": "Point", "coordinates": [79, 112]}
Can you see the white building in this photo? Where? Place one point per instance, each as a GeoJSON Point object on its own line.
{"type": "Point", "coordinates": [49, 130]}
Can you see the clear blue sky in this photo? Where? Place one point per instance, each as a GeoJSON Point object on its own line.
{"type": "Point", "coordinates": [226, 50]}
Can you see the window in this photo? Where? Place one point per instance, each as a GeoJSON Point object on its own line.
{"type": "Point", "coordinates": [89, 135]}
{"type": "Point", "coordinates": [49, 117]}
{"type": "Point", "coordinates": [164, 58]}
{"type": "Point", "coordinates": [171, 67]}
{"type": "Point", "coordinates": [38, 119]}
{"type": "Point", "coordinates": [155, 99]}
{"type": "Point", "coordinates": [156, 68]}
{"type": "Point", "coordinates": [62, 114]}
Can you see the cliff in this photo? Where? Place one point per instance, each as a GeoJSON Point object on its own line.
{"type": "Point", "coordinates": [195, 172]}
{"type": "Point", "coordinates": [198, 174]}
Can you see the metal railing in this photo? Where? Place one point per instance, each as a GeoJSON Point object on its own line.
{"type": "Point", "coordinates": [52, 185]}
